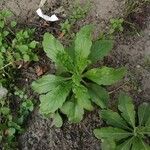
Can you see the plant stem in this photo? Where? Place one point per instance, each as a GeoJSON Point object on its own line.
{"type": "Point", "coordinates": [6, 66]}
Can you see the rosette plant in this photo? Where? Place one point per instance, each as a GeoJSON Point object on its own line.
{"type": "Point", "coordinates": [127, 129]}
{"type": "Point", "coordinates": [75, 87]}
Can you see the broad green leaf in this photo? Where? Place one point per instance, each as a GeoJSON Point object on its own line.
{"type": "Point", "coordinates": [83, 43]}
{"type": "Point", "coordinates": [110, 132]}
{"type": "Point", "coordinates": [143, 113]}
{"type": "Point", "coordinates": [114, 119]}
{"type": "Point", "coordinates": [55, 98]}
{"type": "Point", "coordinates": [127, 108]}
{"type": "Point", "coordinates": [65, 61]}
{"type": "Point", "coordinates": [105, 75]}
{"type": "Point", "coordinates": [100, 49]}
{"type": "Point", "coordinates": [125, 145]}
{"type": "Point", "coordinates": [139, 144]}
{"type": "Point", "coordinates": [98, 95]}
{"type": "Point", "coordinates": [52, 46]}
{"type": "Point", "coordinates": [57, 120]}
{"type": "Point", "coordinates": [70, 51]}
{"type": "Point", "coordinates": [148, 122]}
{"type": "Point", "coordinates": [73, 111]}
{"type": "Point", "coordinates": [145, 130]}
{"type": "Point", "coordinates": [82, 96]}
{"type": "Point", "coordinates": [108, 144]}
{"type": "Point", "coordinates": [46, 83]}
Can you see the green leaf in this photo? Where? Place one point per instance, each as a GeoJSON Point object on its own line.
{"type": "Point", "coordinates": [83, 97]}
{"type": "Point", "coordinates": [55, 98]}
{"type": "Point", "coordinates": [70, 51]}
{"type": "Point", "coordinates": [5, 110]}
{"type": "Point", "coordinates": [73, 111]}
{"type": "Point", "coordinates": [127, 108]}
{"type": "Point", "coordinates": [148, 122]}
{"type": "Point", "coordinates": [108, 144]}
{"type": "Point", "coordinates": [98, 95]}
{"type": "Point", "coordinates": [105, 75]}
{"type": "Point", "coordinates": [11, 131]}
{"type": "Point", "coordinates": [65, 61]}
{"type": "Point", "coordinates": [26, 57]}
{"type": "Point", "coordinates": [57, 120]}
{"type": "Point", "coordinates": [7, 13]}
{"type": "Point", "coordinates": [33, 44]}
{"type": "Point", "coordinates": [46, 83]}
{"type": "Point", "coordinates": [145, 130]}
{"type": "Point", "coordinates": [2, 24]}
{"type": "Point", "coordinates": [5, 33]}
{"type": "Point", "coordinates": [100, 49]}
{"type": "Point", "coordinates": [126, 145]}
{"type": "Point", "coordinates": [28, 105]}
{"type": "Point", "coordinates": [139, 144]}
{"type": "Point", "coordinates": [110, 132]}
{"type": "Point", "coordinates": [83, 43]}
{"type": "Point", "coordinates": [23, 48]}
{"type": "Point", "coordinates": [13, 24]}
{"type": "Point", "coordinates": [143, 113]}
{"type": "Point", "coordinates": [114, 119]}
{"type": "Point", "coordinates": [52, 46]}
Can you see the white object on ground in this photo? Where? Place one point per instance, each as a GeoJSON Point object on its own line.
{"type": "Point", "coordinates": [46, 17]}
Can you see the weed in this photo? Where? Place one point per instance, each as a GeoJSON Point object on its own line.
{"type": "Point", "coordinates": [77, 12]}
{"type": "Point", "coordinates": [11, 121]}
{"type": "Point", "coordinates": [116, 25]}
{"type": "Point", "coordinates": [15, 45]}
{"type": "Point", "coordinates": [75, 86]}
{"type": "Point", "coordinates": [128, 129]}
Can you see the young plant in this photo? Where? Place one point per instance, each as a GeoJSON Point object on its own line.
{"type": "Point", "coordinates": [128, 130]}
{"type": "Point", "coordinates": [76, 86]}
{"type": "Point", "coordinates": [15, 45]}
{"type": "Point", "coordinates": [11, 121]}
{"type": "Point", "coordinates": [116, 25]}
{"type": "Point", "coordinates": [78, 12]}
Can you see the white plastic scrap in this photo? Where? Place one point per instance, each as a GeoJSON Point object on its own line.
{"type": "Point", "coordinates": [46, 17]}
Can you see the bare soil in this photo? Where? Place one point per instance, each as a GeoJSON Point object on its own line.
{"type": "Point", "coordinates": [131, 51]}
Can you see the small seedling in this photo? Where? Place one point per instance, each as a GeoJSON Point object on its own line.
{"type": "Point", "coordinates": [78, 12]}
{"type": "Point", "coordinates": [10, 123]}
{"type": "Point", "coordinates": [127, 129]}
{"type": "Point", "coordinates": [15, 45]}
{"type": "Point", "coordinates": [116, 25]}
{"type": "Point", "coordinates": [75, 86]}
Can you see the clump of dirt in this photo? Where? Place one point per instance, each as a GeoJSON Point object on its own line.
{"type": "Point", "coordinates": [41, 135]}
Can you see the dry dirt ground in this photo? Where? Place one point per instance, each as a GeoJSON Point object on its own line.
{"type": "Point", "coordinates": [132, 51]}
